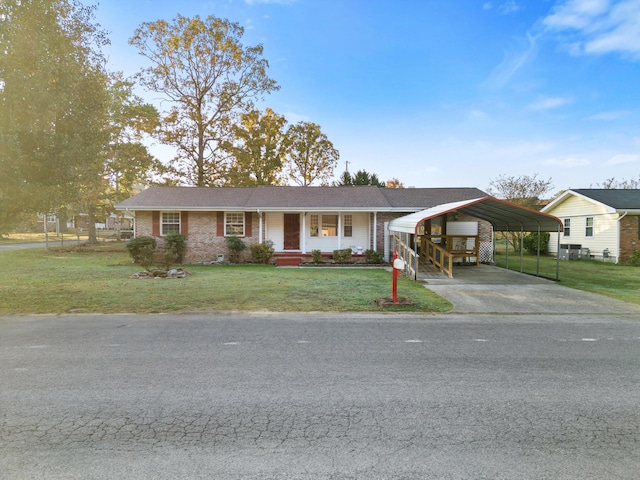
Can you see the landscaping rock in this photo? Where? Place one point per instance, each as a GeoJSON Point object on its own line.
{"type": "Point", "coordinates": [160, 274]}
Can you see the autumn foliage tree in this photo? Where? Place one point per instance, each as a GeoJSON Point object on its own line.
{"type": "Point", "coordinates": [209, 78]}
{"type": "Point", "coordinates": [258, 150]}
{"type": "Point", "coordinates": [52, 99]}
{"type": "Point", "coordinates": [310, 154]}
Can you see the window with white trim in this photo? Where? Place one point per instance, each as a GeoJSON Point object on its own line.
{"type": "Point", "coordinates": [234, 224]}
{"type": "Point", "coordinates": [313, 226]}
{"type": "Point", "coordinates": [347, 225]}
{"type": "Point", "coordinates": [588, 227]}
{"type": "Point", "coordinates": [170, 223]}
{"type": "Point", "coordinates": [329, 225]}
{"type": "Point", "coordinates": [567, 227]}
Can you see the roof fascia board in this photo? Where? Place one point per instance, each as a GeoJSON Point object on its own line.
{"type": "Point", "coordinates": [250, 209]}
{"type": "Point", "coordinates": [566, 194]}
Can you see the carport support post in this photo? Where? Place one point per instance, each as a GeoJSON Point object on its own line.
{"type": "Point", "coordinates": [506, 236]}
{"type": "Point", "coordinates": [558, 256]}
{"type": "Point", "coordinates": [521, 246]}
{"type": "Point", "coordinates": [538, 257]}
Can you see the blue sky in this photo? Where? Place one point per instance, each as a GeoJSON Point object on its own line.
{"type": "Point", "coordinates": [442, 93]}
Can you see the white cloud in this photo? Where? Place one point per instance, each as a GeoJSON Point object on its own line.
{"type": "Point", "coordinates": [487, 6]}
{"type": "Point", "coordinates": [576, 14]}
{"type": "Point", "coordinates": [597, 26]}
{"type": "Point", "coordinates": [474, 113]}
{"type": "Point", "coordinates": [567, 162]}
{"type": "Point", "coordinates": [623, 158]}
{"type": "Point", "coordinates": [548, 103]}
{"type": "Point", "coordinates": [512, 63]}
{"type": "Point", "coordinates": [609, 116]}
{"type": "Point", "coordinates": [508, 8]}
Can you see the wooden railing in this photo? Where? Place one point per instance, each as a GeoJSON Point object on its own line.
{"type": "Point", "coordinates": [440, 257]}
{"type": "Point", "coordinates": [406, 253]}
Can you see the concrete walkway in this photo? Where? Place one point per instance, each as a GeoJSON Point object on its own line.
{"type": "Point", "coordinates": [490, 289]}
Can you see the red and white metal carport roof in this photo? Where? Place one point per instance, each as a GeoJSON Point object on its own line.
{"type": "Point", "coordinates": [503, 215]}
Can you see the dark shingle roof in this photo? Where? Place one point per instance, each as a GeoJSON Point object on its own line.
{"type": "Point", "coordinates": [317, 197]}
{"type": "Point", "coordinates": [265, 197]}
{"type": "Point", "coordinates": [428, 197]}
{"type": "Point", "coordinates": [620, 199]}
{"type": "Point", "coordinates": [188, 197]}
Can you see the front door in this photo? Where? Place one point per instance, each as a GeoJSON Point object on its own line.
{"type": "Point", "coordinates": [291, 231]}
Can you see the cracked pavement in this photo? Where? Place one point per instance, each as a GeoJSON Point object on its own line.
{"type": "Point", "coordinates": [268, 396]}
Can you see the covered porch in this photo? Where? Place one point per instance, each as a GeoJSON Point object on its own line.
{"type": "Point", "coordinates": [442, 250]}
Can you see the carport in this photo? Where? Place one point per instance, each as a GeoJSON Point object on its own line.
{"type": "Point", "coordinates": [503, 216]}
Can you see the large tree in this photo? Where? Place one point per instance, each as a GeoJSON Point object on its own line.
{"type": "Point", "coordinates": [209, 78]}
{"type": "Point", "coordinates": [311, 155]}
{"type": "Point", "coordinates": [524, 190]}
{"type": "Point", "coordinates": [52, 100]}
{"type": "Point", "coordinates": [128, 162]}
{"type": "Point", "coordinates": [258, 150]}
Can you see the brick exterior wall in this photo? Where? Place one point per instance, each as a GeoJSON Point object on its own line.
{"type": "Point", "coordinates": [203, 242]}
{"type": "Point", "coordinates": [629, 237]}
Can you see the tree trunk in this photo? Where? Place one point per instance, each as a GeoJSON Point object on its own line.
{"type": "Point", "coordinates": [93, 238]}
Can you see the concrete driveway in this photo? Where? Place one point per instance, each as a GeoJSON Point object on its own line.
{"type": "Point", "coordinates": [489, 289]}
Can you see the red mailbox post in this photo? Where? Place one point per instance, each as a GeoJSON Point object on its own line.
{"type": "Point", "coordinates": [398, 266]}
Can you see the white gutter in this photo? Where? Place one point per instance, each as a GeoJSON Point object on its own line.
{"type": "Point", "coordinates": [259, 226]}
{"type": "Point", "coordinates": [618, 239]}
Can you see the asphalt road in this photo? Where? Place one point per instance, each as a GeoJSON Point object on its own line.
{"type": "Point", "coordinates": [319, 396]}
{"type": "Point", "coordinates": [52, 243]}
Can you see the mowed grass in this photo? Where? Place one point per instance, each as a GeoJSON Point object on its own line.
{"type": "Point", "coordinates": [81, 280]}
{"type": "Point", "coordinates": [621, 282]}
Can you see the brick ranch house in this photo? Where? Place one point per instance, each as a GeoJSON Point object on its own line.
{"type": "Point", "coordinates": [296, 219]}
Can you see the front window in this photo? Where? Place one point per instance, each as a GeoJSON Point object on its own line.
{"type": "Point", "coordinates": [347, 221]}
{"type": "Point", "coordinates": [170, 222]}
{"type": "Point", "coordinates": [329, 225]}
{"type": "Point", "coordinates": [567, 227]}
{"type": "Point", "coordinates": [588, 231]}
{"type": "Point", "coordinates": [234, 224]}
{"type": "Point", "coordinates": [314, 226]}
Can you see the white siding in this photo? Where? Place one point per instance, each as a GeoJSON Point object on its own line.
{"type": "Point", "coordinates": [359, 238]}
{"type": "Point", "coordinates": [605, 226]}
{"type": "Point", "coordinates": [274, 229]}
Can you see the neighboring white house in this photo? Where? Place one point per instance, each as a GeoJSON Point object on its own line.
{"type": "Point", "coordinates": [598, 223]}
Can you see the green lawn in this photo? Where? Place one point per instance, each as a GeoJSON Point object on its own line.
{"type": "Point", "coordinates": [84, 281]}
{"type": "Point", "coordinates": [615, 281]}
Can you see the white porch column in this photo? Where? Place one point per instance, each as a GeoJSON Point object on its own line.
{"type": "Point", "coordinates": [303, 235]}
{"type": "Point", "coordinates": [339, 231]}
{"type": "Point", "coordinates": [374, 244]}
{"type": "Point", "coordinates": [386, 242]}
{"type": "Point", "coordinates": [259, 226]}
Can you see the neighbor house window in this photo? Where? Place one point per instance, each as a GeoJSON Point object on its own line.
{"type": "Point", "coordinates": [329, 225]}
{"type": "Point", "coordinates": [234, 224]}
{"type": "Point", "coordinates": [313, 226]}
{"type": "Point", "coordinates": [567, 227]}
{"type": "Point", "coordinates": [170, 222]}
{"type": "Point", "coordinates": [588, 230]}
{"type": "Point", "coordinates": [347, 224]}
